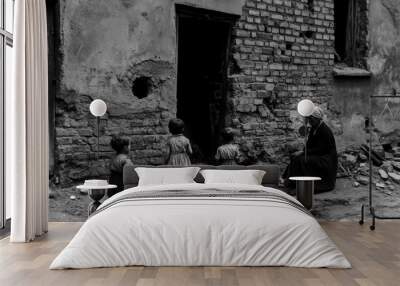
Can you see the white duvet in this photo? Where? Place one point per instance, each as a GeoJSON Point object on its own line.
{"type": "Point", "coordinates": [192, 231]}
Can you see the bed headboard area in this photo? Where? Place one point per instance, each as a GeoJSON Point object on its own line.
{"type": "Point", "coordinates": [270, 179]}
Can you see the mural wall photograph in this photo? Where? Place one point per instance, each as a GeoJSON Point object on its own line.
{"type": "Point", "coordinates": [233, 72]}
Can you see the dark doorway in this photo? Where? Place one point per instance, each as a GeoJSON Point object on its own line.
{"type": "Point", "coordinates": [351, 30]}
{"type": "Point", "coordinates": [203, 52]}
{"type": "Point", "coordinates": [341, 11]}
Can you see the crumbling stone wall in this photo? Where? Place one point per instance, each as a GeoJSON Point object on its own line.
{"type": "Point", "coordinates": [106, 46]}
{"type": "Point", "coordinates": [282, 51]}
{"type": "Point", "coordinates": [350, 95]}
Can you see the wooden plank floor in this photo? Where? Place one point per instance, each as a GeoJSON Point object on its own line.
{"type": "Point", "coordinates": [375, 257]}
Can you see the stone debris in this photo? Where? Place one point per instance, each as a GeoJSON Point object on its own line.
{"type": "Point", "coordinates": [363, 169]}
{"type": "Point", "coordinates": [362, 157]}
{"type": "Point", "coordinates": [377, 158]}
{"type": "Point", "coordinates": [389, 155]}
{"type": "Point", "coordinates": [351, 159]}
{"type": "Point", "coordinates": [395, 177]}
{"type": "Point", "coordinates": [387, 166]}
{"type": "Point", "coordinates": [380, 185]}
{"type": "Point", "coordinates": [353, 163]}
{"type": "Point", "coordinates": [396, 166]}
{"type": "Point", "coordinates": [389, 193]}
{"type": "Point", "coordinates": [72, 197]}
{"type": "Point", "coordinates": [363, 180]}
{"type": "Point", "coordinates": [383, 174]}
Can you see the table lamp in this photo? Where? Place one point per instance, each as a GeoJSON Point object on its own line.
{"type": "Point", "coordinates": [98, 108]}
{"type": "Point", "coordinates": [305, 108]}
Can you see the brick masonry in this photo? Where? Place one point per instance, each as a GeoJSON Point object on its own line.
{"type": "Point", "coordinates": [282, 52]}
{"type": "Point", "coordinates": [285, 52]}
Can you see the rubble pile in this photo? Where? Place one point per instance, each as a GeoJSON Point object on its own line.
{"type": "Point", "coordinates": [354, 163]}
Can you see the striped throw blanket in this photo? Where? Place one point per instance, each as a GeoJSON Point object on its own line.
{"type": "Point", "coordinates": [205, 194]}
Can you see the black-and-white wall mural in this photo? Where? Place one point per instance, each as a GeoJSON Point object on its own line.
{"type": "Point", "coordinates": [233, 73]}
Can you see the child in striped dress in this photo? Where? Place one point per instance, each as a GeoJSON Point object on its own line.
{"type": "Point", "coordinates": [228, 153]}
{"type": "Point", "coordinates": [179, 148]}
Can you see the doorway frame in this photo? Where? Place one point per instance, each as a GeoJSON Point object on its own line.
{"type": "Point", "coordinates": [193, 12]}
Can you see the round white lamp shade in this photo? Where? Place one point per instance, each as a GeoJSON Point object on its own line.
{"type": "Point", "coordinates": [98, 107]}
{"type": "Point", "coordinates": [305, 107]}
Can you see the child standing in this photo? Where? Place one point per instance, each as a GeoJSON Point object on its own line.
{"type": "Point", "coordinates": [228, 153]}
{"type": "Point", "coordinates": [121, 147]}
{"type": "Point", "coordinates": [179, 148]}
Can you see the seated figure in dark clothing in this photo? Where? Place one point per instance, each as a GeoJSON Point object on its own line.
{"type": "Point", "coordinates": [322, 159]}
{"type": "Point", "coordinates": [121, 147]}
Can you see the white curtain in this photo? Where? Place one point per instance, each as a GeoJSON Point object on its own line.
{"type": "Point", "coordinates": [27, 124]}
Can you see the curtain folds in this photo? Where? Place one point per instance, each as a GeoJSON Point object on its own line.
{"type": "Point", "coordinates": [27, 120]}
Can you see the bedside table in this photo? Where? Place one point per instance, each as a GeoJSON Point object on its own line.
{"type": "Point", "coordinates": [305, 190]}
{"type": "Point", "coordinates": [96, 193]}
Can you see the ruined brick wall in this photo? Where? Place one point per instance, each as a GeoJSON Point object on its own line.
{"type": "Point", "coordinates": [350, 95]}
{"type": "Point", "coordinates": [282, 51]}
{"type": "Point", "coordinates": [105, 47]}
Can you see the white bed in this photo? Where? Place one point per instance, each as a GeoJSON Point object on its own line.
{"type": "Point", "coordinates": [202, 231]}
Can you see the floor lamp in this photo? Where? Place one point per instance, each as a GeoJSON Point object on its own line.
{"type": "Point", "coordinates": [98, 108]}
{"type": "Point", "coordinates": [305, 108]}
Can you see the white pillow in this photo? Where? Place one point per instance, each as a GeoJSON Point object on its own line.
{"type": "Point", "coordinates": [166, 176]}
{"type": "Point", "coordinates": [247, 177]}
